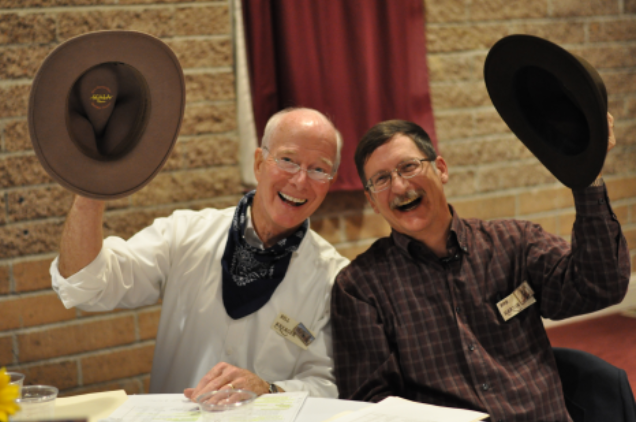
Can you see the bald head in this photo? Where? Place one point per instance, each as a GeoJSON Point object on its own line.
{"type": "Point", "coordinates": [306, 118]}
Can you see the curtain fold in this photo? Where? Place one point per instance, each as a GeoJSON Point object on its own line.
{"type": "Point", "coordinates": [357, 61]}
{"type": "Point", "coordinates": [248, 141]}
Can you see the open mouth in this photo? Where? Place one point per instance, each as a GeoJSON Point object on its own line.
{"type": "Point", "coordinates": [297, 202]}
{"type": "Point", "coordinates": [409, 204]}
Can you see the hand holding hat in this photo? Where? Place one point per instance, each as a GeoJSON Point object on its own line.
{"type": "Point", "coordinates": [554, 101]}
{"type": "Point", "coordinates": [105, 111]}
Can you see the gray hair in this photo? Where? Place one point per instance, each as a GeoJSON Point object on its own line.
{"type": "Point", "coordinates": [274, 121]}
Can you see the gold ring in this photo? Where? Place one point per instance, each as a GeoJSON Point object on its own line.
{"type": "Point", "coordinates": [231, 386]}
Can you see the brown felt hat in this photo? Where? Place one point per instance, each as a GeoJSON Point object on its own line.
{"type": "Point", "coordinates": [105, 111]}
{"type": "Point", "coordinates": [555, 102]}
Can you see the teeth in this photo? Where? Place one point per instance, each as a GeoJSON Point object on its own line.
{"type": "Point", "coordinates": [407, 201]}
{"type": "Point", "coordinates": [292, 199]}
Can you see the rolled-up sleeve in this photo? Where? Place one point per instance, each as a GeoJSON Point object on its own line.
{"type": "Point", "coordinates": [125, 274]}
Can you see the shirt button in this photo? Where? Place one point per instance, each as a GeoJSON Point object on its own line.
{"type": "Point", "coordinates": [485, 387]}
{"type": "Point", "coordinates": [472, 347]}
{"type": "Point", "coordinates": [464, 248]}
{"type": "Point", "coordinates": [228, 351]}
{"type": "Point", "coordinates": [601, 201]}
{"type": "Point", "coordinates": [458, 309]}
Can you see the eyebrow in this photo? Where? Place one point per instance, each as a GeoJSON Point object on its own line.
{"type": "Point", "coordinates": [397, 165]}
{"type": "Point", "coordinates": [295, 153]}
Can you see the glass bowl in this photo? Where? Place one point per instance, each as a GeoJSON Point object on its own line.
{"type": "Point", "coordinates": [222, 400]}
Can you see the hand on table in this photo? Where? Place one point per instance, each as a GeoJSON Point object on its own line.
{"type": "Point", "coordinates": [225, 376]}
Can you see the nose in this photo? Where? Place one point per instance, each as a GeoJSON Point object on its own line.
{"type": "Point", "coordinates": [299, 178]}
{"type": "Point", "coordinates": [398, 183]}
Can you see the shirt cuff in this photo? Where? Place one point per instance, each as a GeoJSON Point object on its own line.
{"type": "Point", "coordinates": [592, 201]}
{"type": "Point", "coordinates": [81, 286]}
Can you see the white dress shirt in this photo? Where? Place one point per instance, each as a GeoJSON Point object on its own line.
{"type": "Point", "coordinates": [178, 259]}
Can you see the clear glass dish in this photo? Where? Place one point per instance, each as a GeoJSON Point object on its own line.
{"type": "Point", "coordinates": [225, 400]}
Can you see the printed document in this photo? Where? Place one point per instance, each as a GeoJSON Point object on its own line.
{"type": "Point", "coordinates": [397, 409]}
{"type": "Point", "coordinates": [282, 407]}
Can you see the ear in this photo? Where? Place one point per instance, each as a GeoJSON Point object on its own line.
{"type": "Point", "coordinates": [259, 162]}
{"type": "Point", "coordinates": [371, 201]}
{"type": "Point", "coordinates": [442, 169]}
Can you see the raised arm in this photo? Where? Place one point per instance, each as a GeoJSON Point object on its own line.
{"type": "Point", "coordinates": [82, 235]}
{"type": "Point", "coordinates": [595, 273]}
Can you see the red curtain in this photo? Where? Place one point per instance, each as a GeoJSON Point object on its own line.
{"type": "Point", "coordinates": [357, 61]}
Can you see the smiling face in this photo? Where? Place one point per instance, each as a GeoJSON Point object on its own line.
{"type": "Point", "coordinates": [284, 200]}
{"type": "Point", "coordinates": [417, 206]}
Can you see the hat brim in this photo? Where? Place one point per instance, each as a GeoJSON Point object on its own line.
{"type": "Point", "coordinates": [584, 87]}
{"type": "Point", "coordinates": [48, 112]}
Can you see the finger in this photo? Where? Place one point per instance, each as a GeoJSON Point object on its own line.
{"type": "Point", "coordinates": [219, 383]}
{"type": "Point", "coordinates": [188, 392]}
{"type": "Point", "coordinates": [212, 386]}
{"type": "Point", "coordinates": [611, 138]}
{"type": "Point", "coordinates": [212, 374]}
{"type": "Point", "coordinates": [207, 379]}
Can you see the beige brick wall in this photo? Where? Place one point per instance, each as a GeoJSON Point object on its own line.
{"type": "Point", "coordinates": [492, 174]}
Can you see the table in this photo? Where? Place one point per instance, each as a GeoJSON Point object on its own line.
{"type": "Point", "coordinates": [320, 409]}
{"type": "Point", "coordinates": [100, 405]}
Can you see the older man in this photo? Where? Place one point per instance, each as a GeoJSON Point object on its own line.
{"type": "Point", "coordinates": [424, 314]}
{"type": "Point", "coordinates": [245, 290]}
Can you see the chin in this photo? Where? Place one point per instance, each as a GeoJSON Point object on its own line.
{"type": "Point", "coordinates": [289, 218]}
{"type": "Point", "coordinates": [412, 225]}
{"type": "Point", "coordinates": [287, 223]}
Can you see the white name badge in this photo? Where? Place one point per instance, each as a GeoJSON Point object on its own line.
{"type": "Point", "coordinates": [519, 300]}
{"type": "Point", "coordinates": [296, 332]}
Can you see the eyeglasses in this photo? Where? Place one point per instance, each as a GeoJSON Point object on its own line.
{"type": "Point", "coordinates": [319, 175]}
{"type": "Point", "coordinates": [406, 169]}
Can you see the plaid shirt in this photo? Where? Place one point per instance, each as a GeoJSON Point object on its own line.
{"type": "Point", "coordinates": [406, 323]}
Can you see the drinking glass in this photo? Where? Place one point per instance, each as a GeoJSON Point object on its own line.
{"type": "Point", "coordinates": [37, 402]}
{"type": "Point", "coordinates": [16, 379]}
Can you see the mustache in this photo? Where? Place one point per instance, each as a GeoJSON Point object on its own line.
{"type": "Point", "coordinates": [409, 195]}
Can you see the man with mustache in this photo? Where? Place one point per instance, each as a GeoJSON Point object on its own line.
{"type": "Point", "coordinates": [446, 310]}
{"type": "Point", "coordinates": [245, 290]}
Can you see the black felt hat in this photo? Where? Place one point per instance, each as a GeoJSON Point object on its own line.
{"type": "Point", "coordinates": [105, 112]}
{"type": "Point", "coordinates": [554, 102]}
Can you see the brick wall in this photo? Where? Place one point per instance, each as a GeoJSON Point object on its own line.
{"type": "Point", "coordinates": [492, 173]}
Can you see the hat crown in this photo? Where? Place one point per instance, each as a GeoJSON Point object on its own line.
{"type": "Point", "coordinates": [552, 110]}
{"type": "Point", "coordinates": [555, 102]}
{"type": "Point", "coordinates": [107, 110]}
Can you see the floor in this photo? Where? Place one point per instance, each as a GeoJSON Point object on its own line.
{"type": "Point", "coordinates": [611, 337]}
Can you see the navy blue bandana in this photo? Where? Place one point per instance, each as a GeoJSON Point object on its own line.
{"type": "Point", "coordinates": [251, 275]}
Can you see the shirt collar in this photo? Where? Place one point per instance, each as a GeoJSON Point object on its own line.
{"type": "Point", "coordinates": [250, 235]}
{"type": "Point", "coordinates": [416, 249]}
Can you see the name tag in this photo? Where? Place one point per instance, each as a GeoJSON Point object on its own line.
{"type": "Point", "coordinates": [293, 331]}
{"type": "Point", "coordinates": [519, 300]}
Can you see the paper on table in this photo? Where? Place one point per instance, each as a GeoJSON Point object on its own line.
{"type": "Point", "coordinates": [92, 406]}
{"type": "Point", "coordinates": [281, 407]}
{"type": "Point", "coordinates": [402, 410]}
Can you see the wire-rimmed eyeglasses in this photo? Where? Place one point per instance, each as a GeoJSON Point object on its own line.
{"type": "Point", "coordinates": [317, 174]}
{"type": "Point", "coordinates": [406, 169]}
